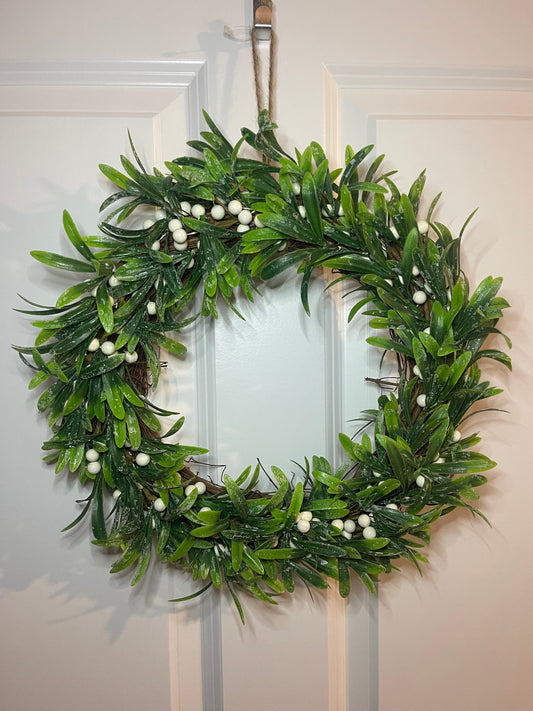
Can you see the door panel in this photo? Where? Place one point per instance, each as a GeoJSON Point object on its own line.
{"type": "Point", "coordinates": [472, 131]}
{"type": "Point", "coordinates": [83, 634]}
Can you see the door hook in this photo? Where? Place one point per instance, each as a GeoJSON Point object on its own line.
{"type": "Point", "coordinates": [262, 26]}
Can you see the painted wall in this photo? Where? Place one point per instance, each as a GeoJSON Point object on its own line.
{"type": "Point", "coordinates": [462, 636]}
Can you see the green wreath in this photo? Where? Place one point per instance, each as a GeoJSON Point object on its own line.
{"type": "Point", "coordinates": [221, 223]}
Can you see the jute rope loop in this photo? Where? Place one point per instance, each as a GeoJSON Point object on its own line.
{"type": "Point", "coordinates": [264, 16]}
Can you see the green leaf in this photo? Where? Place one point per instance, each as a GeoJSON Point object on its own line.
{"type": "Point", "coordinates": [278, 553]}
{"type": "Point", "coordinates": [75, 237]}
{"type": "Point", "coordinates": [236, 555]}
{"type": "Point", "coordinates": [283, 486]}
{"type": "Point", "coordinates": [97, 510]}
{"type": "Point", "coordinates": [74, 292]}
{"type": "Point", "coordinates": [237, 497]}
{"type": "Point", "coordinates": [399, 458]}
{"type": "Point", "coordinates": [58, 261]}
{"type": "Point", "coordinates": [311, 203]}
{"type": "Point", "coordinates": [104, 366]}
{"type": "Point", "coordinates": [105, 310]}
{"type": "Point", "coordinates": [344, 578]}
{"type": "Point", "coordinates": [295, 505]}
{"type": "Point", "coordinates": [172, 346]}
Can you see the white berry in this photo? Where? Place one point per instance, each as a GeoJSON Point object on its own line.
{"type": "Point", "coordinates": [174, 225]}
{"type": "Point", "coordinates": [142, 459]}
{"type": "Point", "coordinates": [185, 207]}
{"type": "Point", "coordinates": [160, 214]}
{"type": "Point", "coordinates": [423, 227]}
{"type": "Point", "coordinates": [338, 523]}
{"type": "Point", "coordinates": [201, 487]}
{"type": "Point", "coordinates": [349, 525]}
{"type": "Point", "coordinates": [303, 526]}
{"type": "Point", "coordinates": [181, 246]}
{"type": "Point", "coordinates": [113, 281]}
{"type": "Point", "coordinates": [116, 493]}
{"type": "Point", "coordinates": [376, 474]}
{"type": "Point", "coordinates": [242, 228]}
{"type": "Point", "coordinates": [456, 436]}
{"type": "Point", "coordinates": [416, 371]}
{"type": "Point", "coordinates": [131, 357]}
{"type": "Point", "coordinates": [389, 281]}
{"type": "Point", "coordinates": [415, 271]}
{"type": "Point", "coordinates": [91, 455]}
{"type": "Point", "coordinates": [94, 467]}
{"type": "Point", "coordinates": [159, 505]}
{"type": "Point", "coordinates": [189, 489]}
{"type": "Point", "coordinates": [439, 460]}
{"type": "Point", "coordinates": [364, 520]}
{"type": "Point", "coordinates": [190, 265]}
{"type": "Point", "coordinates": [427, 330]}
{"type": "Point", "coordinates": [218, 212]}
{"type": "Point", "coordinates": [147, 224]}
{"type": "Point", "coordinates": [420, 297]}
{"type": "Point", "coordinates": [107, 348]}
{"type": "Point", "coordinates": [245, 217]}
{"type": "Point", "coordinates": [421, 400]}
{"type": "Point", "coordinates": [179, 235]}
{"type": "Point", "coordinates": [94, 345]}
{"type": "Point", "coordinates": [394, 232]}
{"type": "Point", "coordinates": [347, 534]}
{"type": "Point", "coordinates": [198, 211]}
{"type": "Point", "coordinates": [306, 515]}
{"type": "Point", "coordinates": [302, 211]}
{"type": "Point", "coordinates": [369, 532]}
{"type": "Point", "coordinates": [151, 308]}
{"type": "Point", "coordinates": [257, 222]}
{"type": "Point", "coordinates": [155, 246]}
{"type": "Point", "coordinates": [235, 207]}
{"type": "Point", "coordinates": [296, 188]}
{"type": "Point", "coordinates": [93, 291]}
{"type": "Point", "coordinates": [204, 508]}
{"type": "Point", "coordinates": [394, 507]}
{"type": "Point", "coordinates": [420, 480]}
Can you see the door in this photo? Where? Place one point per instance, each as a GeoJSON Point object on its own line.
{"type": "Point", "coordinates": [77, 637]}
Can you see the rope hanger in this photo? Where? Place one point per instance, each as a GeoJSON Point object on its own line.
{"type": "Point", "coordinates": [262, 32]}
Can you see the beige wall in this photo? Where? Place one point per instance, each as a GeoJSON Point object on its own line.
{"type": "Point", "coordinates": [460, 637]}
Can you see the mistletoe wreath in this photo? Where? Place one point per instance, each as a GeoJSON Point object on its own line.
{"type": "Point", "coordinates": [222, 222]}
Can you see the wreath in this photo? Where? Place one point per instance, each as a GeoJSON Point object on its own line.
{"type": "Point", "coordinates": [221, 222]}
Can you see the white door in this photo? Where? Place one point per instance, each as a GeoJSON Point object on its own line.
{"type": "Point", "coordinates": [79, 639]}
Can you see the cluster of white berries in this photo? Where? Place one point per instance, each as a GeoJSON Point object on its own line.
{"type": "Point", "coordinates": [244, 216]}
{"type": "Point", "coordinates": [93, 465]}
{"type": "Point", "coordinates": [303, 521]}
{"type": "Point", "coordinates": [199, 486]}
{"type": "Point", "coordinates": [348, 526]}
{"type": "Point", "coordinates": [108, 348]}
{"type": "Point", "coordinates": [159, 504]}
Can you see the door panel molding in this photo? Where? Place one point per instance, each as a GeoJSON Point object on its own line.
{"type": "Point", "coordinates": [21, 83]}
